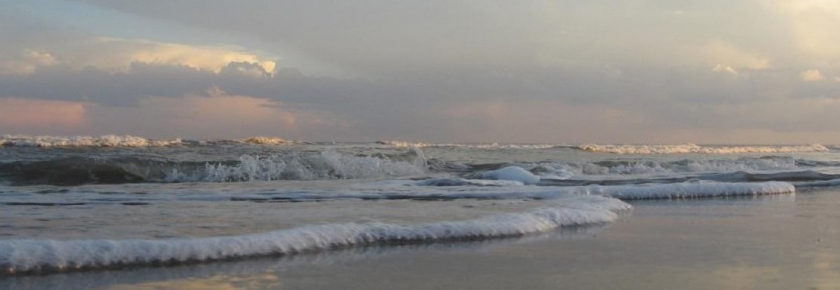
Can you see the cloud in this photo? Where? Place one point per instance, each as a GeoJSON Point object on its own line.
{"type": "Point", "coordinates": [811, 75]}
{"type": "Point", "coordinates": [731, 56]}
{"type": "Point", "coordinates": [467, 34]}
{"type": "Point", "coordinates": [33, 116]}
{"type": "Point", "coordinates": [727, 69]}
{"type": "Point", "coordinates": [399, 36]}
{"type": "Point", "coordinates": [814, 23]}
{"type": "Point", "coordinates": [26, 62]}
{"type": "Point", "coordinates": [559, 104]}
{"type": "Point", "coordinates": [542, 121]}
{"type": "Point", "coordinates": [118, 55]}
{"type": "Point", "coordinates": [214, 114]}
{"type": "Point", "coordinates": [463, 70]}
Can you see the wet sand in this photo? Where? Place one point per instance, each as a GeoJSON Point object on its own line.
{"type": "Point", "coordinates": [775, 242]}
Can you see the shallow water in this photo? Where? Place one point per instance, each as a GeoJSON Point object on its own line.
{"type": "Point", "coordinates": [771, 242]}
{"type": "Point", "coordinates": [133, 205]}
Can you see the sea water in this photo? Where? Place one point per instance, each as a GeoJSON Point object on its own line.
{"type": "Point", "coordinates": [86, 203]}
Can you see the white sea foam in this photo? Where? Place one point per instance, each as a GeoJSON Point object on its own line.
{"type": "Point", "coordinates": [53, 255]}
{"type": "Point", "coordinates": [84, 141]}
{"type": "Point", "coordinates": [325, 165]}
{"type": "Point", "coordinates": [467, 182]}
{"type": "Point", "coordinates": [690, 190]}
{"type": "Point", "coordinates": [457, 188]}
{"type": "Point", "coordinates": [565, 170]}
{"type": "Point", "coordinates": [549, 172]}
{"type": "Point", "coordinates": [693, 148]}
{"type": "Point", "coordinates": [514, 173]}
{"type": "Point", "coordinates": [264, 140]}
{"type": "Point", "coordinates": [404, 144]}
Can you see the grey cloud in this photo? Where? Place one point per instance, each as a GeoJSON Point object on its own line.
{"type": "Point", "coordinates": [407, 105]}
{"type": "Point", "coordinates": [381, 37]}
{"type": "Point", "coordinates": [449, 70]}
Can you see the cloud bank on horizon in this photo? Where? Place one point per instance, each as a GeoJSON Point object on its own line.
{"type": "Point", "coordinates": [628, 71]}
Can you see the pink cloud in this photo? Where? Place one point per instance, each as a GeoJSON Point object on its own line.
{"type": "Point", "coordinates": [192, 111]}
{"type": "Point", "coordinates": [32, 116]}
{"type": "Point", "coordinates": [541, 121]}
{"type": "Point", "coordinates": [214, 115]}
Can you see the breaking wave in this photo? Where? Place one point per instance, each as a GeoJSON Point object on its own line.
{"type": "Point", "coordinates": [85, 141]}
{"type": "Point", "coordinates": [263, 140]}
{"type": "Point", "coordinates": [37, 256]}
{"type": "Point", "coordinates": [291, 166]}
{"type": "Point", "coordinates": [125, 141]}
{"type": "Point", "coordinates": [325, 165]}
{"type": "Point", "coordinates": [406, 144]}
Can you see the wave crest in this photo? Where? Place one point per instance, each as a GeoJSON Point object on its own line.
{"type": "Point", "coordinates": [325, 165]}
{"type": "Point", "coordinates": [291, 166]}
{"type": "Point", "coordinates": [85, 141]}
{"type": "Point", "coordinates": [693, 148]}
{"type": "Point", "coordinates": [51, 255]}
{"type": "Point", "coordinates": [264, 140]}
{"type": "Point", "coordinates": [702, 189]}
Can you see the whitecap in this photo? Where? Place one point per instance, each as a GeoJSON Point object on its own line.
{"type": "Point", "coordinates": [694, 148]}
{"type": "Point", "coordinates": [54, 255]}
{"type": "Point", "coordinates": [85, 141]}
{"type": "Point", "coordinates": [514, 173]}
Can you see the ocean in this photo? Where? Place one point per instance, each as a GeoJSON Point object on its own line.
{"type": "Point", "coordinates": [122, 203]}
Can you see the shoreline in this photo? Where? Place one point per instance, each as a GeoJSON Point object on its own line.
{"type": "Point", "coordinates": [774, 242]}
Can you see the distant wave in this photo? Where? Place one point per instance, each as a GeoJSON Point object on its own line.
{"type": "Point", "coordinates": [629, 167]}
{"type": "Point", "coordinates": [563, 170]}
{"type": "Point", "coordinates": [324, 165]}
{"type": "Point", "coordinates": [18, 256]}
{"type": "Point", "coordinates": [124, 141]}
{"type": "Point", "coordinates": [471, 146]}
{"type": "Point", "coordinates": [329, 164]}
{"type": "Point", "coordinates": [693, 148]}
{"type": "Point", "coordinates": [292, 166]}
{"type": "Point", "coordinates": [264, 140]}
{"type": "Point", "coordinates": [84, 141]}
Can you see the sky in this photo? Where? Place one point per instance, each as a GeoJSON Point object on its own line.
{"type": "Point", "coordinates": [528, 71]}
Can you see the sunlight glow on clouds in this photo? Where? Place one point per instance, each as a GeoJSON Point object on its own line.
{"type": "Point", "coordinates": [732, 57]}
{"type": "Point", "coordinates": [461, 70]}
{"type": "Point", "coordinates": [117, 55]}
{"type": "Point", "coordinates": [815, 23]}
{"type": "Point", "coordinates": [26, 62]}
{"type": "Point", "coordinates": [811, 75]}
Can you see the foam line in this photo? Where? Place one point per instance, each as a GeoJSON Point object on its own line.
{"type": "Point", "coordinates": [18, 256]}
